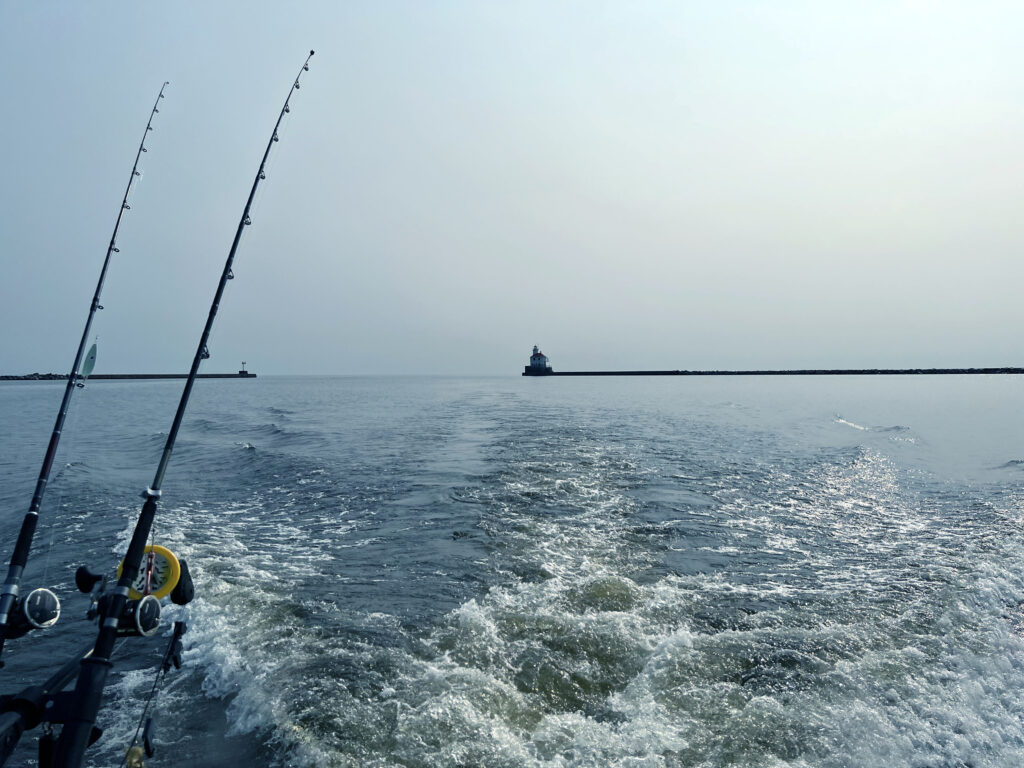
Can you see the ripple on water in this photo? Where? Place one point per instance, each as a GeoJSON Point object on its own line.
{"type": "Point", "coordinates": [635, 584]}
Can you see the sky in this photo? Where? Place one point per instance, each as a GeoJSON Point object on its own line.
{"type": "Point", "coordinates": [627, 184]}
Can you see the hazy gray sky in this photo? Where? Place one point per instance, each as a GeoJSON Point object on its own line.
{"type": "Point", "coordinates": [627, 184]}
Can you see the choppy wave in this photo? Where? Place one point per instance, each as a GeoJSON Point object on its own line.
{"type": "Point", "coordinates": [835, 621]}
{"type": "Point", "coordinates": [463, 574]}
{"type": "Point", "coordinates": [893, 428]}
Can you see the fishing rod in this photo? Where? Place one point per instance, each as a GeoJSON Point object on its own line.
{"type": "Point", "coordinates": [118, 614]}
{"type": "Point", "coordinates": [25, 709]}
{"type": "Point", "coordinates": [41, 608]}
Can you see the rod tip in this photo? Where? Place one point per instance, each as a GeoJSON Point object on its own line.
{"type": "Point", "coordinates": [312, 52]}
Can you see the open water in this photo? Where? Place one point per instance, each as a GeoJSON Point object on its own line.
{"type": "Point", "coordinates": [551, 572]}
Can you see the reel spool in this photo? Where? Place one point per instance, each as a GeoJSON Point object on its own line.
{"type": "Point", "coordinates": [141, 618]}
{"type": "Point", "coordinates": [164, 573]}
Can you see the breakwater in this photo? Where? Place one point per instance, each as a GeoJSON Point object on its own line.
{"type": "Point", "coordinates": [795, 372]}
{"type": "Point", "coordinates": [127, 376]}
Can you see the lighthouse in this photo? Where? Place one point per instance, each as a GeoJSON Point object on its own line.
{"type": "Point", "coordinates": [538, 364]}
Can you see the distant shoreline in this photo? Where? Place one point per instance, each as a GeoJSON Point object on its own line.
{"type": "Point", "coordinates": [127, 376]}
{"type": "Point", "coordinates": [797, 372]}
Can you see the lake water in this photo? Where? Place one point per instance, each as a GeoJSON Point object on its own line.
{"type": "Point", "coordinates": [821, 571]}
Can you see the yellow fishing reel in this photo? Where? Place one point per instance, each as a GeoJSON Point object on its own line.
{"type": "Point", "coordinates": [158, 575]}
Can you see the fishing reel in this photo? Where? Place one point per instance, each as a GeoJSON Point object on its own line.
{"type": "Point", "coordinates": [39, 609]}
{"type": "Point", "coordinates": [140, 618]}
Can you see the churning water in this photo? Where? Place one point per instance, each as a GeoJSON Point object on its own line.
{"type": "Point", "coordinates": [552, 572]}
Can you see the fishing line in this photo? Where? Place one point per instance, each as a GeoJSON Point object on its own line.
{"type": "Point", "coordinates": [160, 675]}
{"type": "Point", "coordinates": [267, 172]}
{"type": "Point", "coordinates": [61, 490]}
{"type": "Point", "coordinates": [61, 480]}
